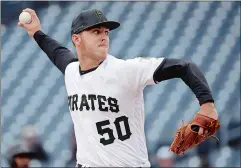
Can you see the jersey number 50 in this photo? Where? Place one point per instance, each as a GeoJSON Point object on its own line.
{"type": "Point", "coordinates": [109, 131]}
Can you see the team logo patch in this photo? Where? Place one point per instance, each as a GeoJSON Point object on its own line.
{"type": "Point", "coordinates": [99, 15]}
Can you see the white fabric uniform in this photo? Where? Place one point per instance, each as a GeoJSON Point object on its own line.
{"type": "Point", "coordinates": [116, 110]}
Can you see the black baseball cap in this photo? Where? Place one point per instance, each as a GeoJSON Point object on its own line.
{"type": "Point", "coordinates": [90, 18]}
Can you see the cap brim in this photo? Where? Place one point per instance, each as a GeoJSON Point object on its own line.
{"type": "Point", "coordinates": [108, 24]}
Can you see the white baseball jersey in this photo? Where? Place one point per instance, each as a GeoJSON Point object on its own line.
{"type": "Point", "coordinates": [107, 109]}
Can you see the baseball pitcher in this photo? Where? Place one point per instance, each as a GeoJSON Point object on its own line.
{"type": "Point", "coordinates": [105, 94]}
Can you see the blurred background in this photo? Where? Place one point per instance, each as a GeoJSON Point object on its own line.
{"type": "Point", "coordinates": [34, 111]}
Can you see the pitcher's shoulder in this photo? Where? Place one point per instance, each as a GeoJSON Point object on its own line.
{"type": "Point", "coordinates": [72, 67]}
{"type": "Point", "coordinates": [121, 61]}
{"type": "Point", "coordinates": [112, 58]}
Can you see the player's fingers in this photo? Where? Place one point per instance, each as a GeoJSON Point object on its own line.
{"type": "Point", "coordinates": [200, 131]}
{"type": "Point", "coordinates": [20, 24]}
{"type": "Point", "coordinates": [32, 13]}
{"type": "Point", "coordinates": [23, 25]}
{"type": "Point", "coordinates": [29, 10]}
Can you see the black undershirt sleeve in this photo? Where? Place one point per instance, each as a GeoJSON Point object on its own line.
{"type": "Point", "coordinates": [59, 55]}
{"type": "Point", "coordinates": [189, 73]}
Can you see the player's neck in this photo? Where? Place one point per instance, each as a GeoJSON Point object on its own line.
{"type": "Point", "coordinates": [87, 63]}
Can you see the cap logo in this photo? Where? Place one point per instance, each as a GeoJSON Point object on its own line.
{"type": "Point", "coordinates": [99, 15]}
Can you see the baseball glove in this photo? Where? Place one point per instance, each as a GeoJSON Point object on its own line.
{"type": "Point", "coordinates": [187, 136]}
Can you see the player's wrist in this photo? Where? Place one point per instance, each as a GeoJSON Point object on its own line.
{"type": "Point", "coordinates": [208, 105]}
{"type": "Point", "coordinates": [208, 109]}
{"type": "Point", "coordinates": [33, 32]}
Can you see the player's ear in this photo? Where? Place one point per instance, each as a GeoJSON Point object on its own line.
{"type": "Point", "coordinates": [76, 39]}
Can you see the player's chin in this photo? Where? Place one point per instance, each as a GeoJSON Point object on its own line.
{"type": "Point", "coordinates": [100, 56]}
{"type": "Point", "coordinates": [103, 53]}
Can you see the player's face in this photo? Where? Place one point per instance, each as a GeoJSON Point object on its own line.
{"type": "Point", "coordinates": [95, 42]}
